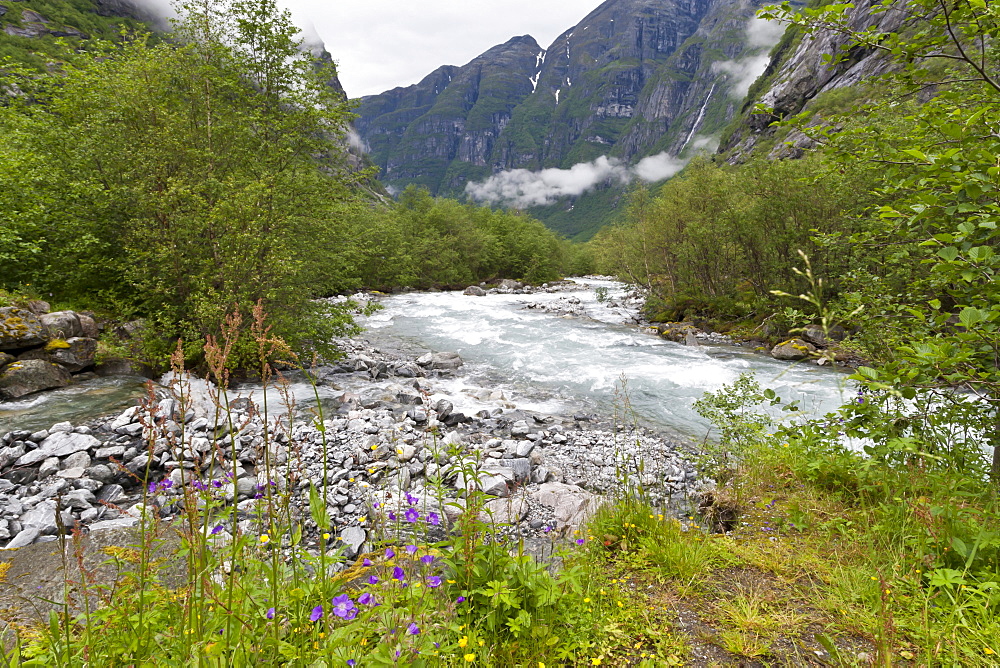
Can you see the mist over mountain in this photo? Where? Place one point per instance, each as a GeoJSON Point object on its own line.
{"type": "Point", "coordinates": [630, 92]}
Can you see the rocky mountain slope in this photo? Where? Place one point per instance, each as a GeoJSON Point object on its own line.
{"type": "Point", "coordinates": [633, 78]}
{"type": "Point", "coordinates": [798, 76]}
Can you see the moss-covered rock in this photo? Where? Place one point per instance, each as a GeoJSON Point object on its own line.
{"type": "Point", "coordinates": [75, 354]}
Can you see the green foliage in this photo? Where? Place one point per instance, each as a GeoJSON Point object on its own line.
{"type": "Point", "coordinates": [425, 242]}
{"type": "Point", "coordinates": [932, 280]}
{"type": "Point", "coordinates": [714, 235]}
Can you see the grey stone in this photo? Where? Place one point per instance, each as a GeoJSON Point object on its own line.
{"type": "Point", "coordinates": [39, 436]}
{"type": "Point", "coordinates": [505, 511]}
{"type": "Point", "coordinates": [353, 538]}
{"type": "Point", "coordinates": [524, 448]}
{"type": "Point", "coordinates": [448, 361]}
{"type": "Point", "coordinates": [76, 460]}
{"type": "Point", "coordinates": [87, 483]}
{"type": "Point", "coordinates": [572, 505]}
{"type": "Point", "coordinates": [100, 473]}
{"type": "Point", "coordinates": [119, 523]}
{"type": "Point", "coordinates": [59, 444]}
{"type": "Point", "coordinates": [25, 537]}
{"type": "Point", "coordinates": [71, 474]}
{"type": "Point", "coordinates": [42, 517]}
{"type": "Point", "coordinates": [520, 468]}
{"type": "Point", "coordinates": [111, 493]}
{"type": "Point", "coordinates": [474, 291]}
{"type": "Point", "coordinates": [48, 467]}
{"type": "Point", "coordinates": [61, 427]}
{"type": "Point", "coordinates": [109, 451]}
{"type": "Point", "coordinates": [80, 499]}
{"type": "Point", "coordinates": [519, 429]}
{"type": "Point", "coordinates": [62, 324]}
{"type": "Point", "coordinates": [29, 376]}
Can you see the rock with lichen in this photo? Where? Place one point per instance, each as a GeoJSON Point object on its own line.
{"type": "Point", "coordinates": [793, 350]}
{"type": "Point", "coordinates": [30, 376]}
{"type": "Point", "coordinates": [20, 328]}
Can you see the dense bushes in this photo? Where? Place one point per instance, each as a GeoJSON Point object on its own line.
{"type": "Point", "coordinates": [716, 234]}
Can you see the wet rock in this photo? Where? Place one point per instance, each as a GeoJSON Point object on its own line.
{"type": "Point", "coordinates": [474, 291]}
{"type": "Point", "coordinates": [29, 376]}
{"type": "Point", "coordinates": [793, 350]}
{"type": "Point", "coordinates": [445, 361]}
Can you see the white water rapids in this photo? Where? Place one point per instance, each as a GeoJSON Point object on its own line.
{"type": "Point", "coordinates": [535, 360]}
{"type": "Point", "coordinates": [571, 365]}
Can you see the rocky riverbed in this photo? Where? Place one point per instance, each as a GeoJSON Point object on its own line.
{"type": "Point", "coordinates": [383, 446]}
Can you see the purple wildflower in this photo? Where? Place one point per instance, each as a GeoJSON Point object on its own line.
{"type": "Point", "coordinates": [460, 599]}
{"type": "Point", "coordinates": [367, 562]}
{"type": "Point", "coordinates": [367, 599]}
{"type": "Point", "coordinates": [411, 549]}
{"type": "Point", "coordinates": [270, 613]}
{"type": "Point", "coordinates": [392, 516]}
{"type": "Point", "coordinates": [372, 579]}
{"type": "Point", "coordinates": [217, 529]}
{"type": "Point", "coordinates": [389, 553]}
{"type": "Point", "coordinates": [412, 515]}
{"type": "Point", "coordinates": [433, 518]}
{"type": "Point", "coordinates": [152, 486]}
{"type": "Point", "coordinates": [166, 484]}
{"type": "Point", "coordinates": [427, 559]}
{"type": "Point", "coordinates": [413, 629]}
{"type": "Point", "coordinates": [199, 485]}
{"type": "Point", "coordinates": [344, 607]}
{"type": "Point", "coordinates": [433, 582]}
{"type": "Point", "coordinates": [351, 662]}
{"type": "Point", "coordinates": [579, 541]}
{"type": "Point", "coordinates": [398, 573]}
{"type": "Point", "coordinates": [217, 484]}
{"type": "Point", "coordinates": [412, 500]}
{"type": "Point", "coordinates": [316, 614]}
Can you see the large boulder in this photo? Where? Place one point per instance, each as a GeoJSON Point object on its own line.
{"type": "Point", "coordinates": [20, 328]}
{"type": "Point", "coordinates": [793, 350]}
{"type": "Point", "coordinates": [75, 354]}
{"type": "Point", "coordinates": [28, 376]}
{"type": "Point", "coordinates": [63, 324]}
{"type": "Point", "coordinates": [571, 505]}
{"type": "Point", "coordinates": [474, 291]}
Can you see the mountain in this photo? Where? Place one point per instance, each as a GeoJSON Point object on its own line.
{"type": "Point", "coordinates": [634, 78]}
{"type": "Point", "coordinates": [801, 76]}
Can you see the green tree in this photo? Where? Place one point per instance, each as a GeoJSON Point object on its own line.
{"type": "Point", "coordinates": [189, 178]}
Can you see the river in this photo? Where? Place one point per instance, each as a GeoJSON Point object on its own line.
{"type": "Point", "coordinates": [536, 360]}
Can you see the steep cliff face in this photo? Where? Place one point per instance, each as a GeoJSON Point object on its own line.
{"type": "Point", "coordinates": [633, 78]}
{"type": "Point", "coordinates": [799, 72]}
{"type": "Point", "coordinates": [453, 117]}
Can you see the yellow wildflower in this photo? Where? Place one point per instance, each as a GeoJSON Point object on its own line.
{"type": "Point", "coordinates": [463, 641]}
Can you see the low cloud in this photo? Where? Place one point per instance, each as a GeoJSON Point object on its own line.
{"type": "Point", "coordinates": [761, 35]}
{"type": "Point", "coordinates": [523, 188]}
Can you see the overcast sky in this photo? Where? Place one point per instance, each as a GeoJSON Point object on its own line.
{"type": "Point", "coordinates": [381, 44]}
